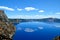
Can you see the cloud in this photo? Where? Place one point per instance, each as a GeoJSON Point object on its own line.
{"type": "Point", "coordinates": [30, 16]}
{"type": "Point", "coordinates": [41, 11]}
{"type": "Point", "coordinates": [40, 28]}
{"type": "Point", "coordinates": [30, 8]}
{"type": "Point", "coordinates": [19, 9]}
{"type": "Point", "coordinates": [6, 8]}
{"type": "Point", "coordinates": [29, 30]}
{"type": "Point", "coordinates": [58, 13]}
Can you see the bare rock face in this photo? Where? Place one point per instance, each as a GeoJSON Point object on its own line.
{"type": "Point", "coordinates": [7, 29]}
{"type": "Point", "coordinates": [57, 38]}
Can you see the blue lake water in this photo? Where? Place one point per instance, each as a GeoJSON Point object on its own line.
{"type": "Point", "coordinates": [36, 31]}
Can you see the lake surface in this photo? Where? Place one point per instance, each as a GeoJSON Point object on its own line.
{"type": "Point", "coordinates": [36, 31]}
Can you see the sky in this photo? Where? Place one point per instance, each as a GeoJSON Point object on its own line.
{"type": "Point", "coordinates": [31, 9]}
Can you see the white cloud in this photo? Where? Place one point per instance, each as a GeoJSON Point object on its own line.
{"type": "Point", "coordinates": [29, 30]}
{"type": "Point", "coordinates": [30, 8]}
{"type": "Point", "coordinates": [6, 8]}
{"type": "Point", "coordinates": [58, 13]}
{"type": "Point", "coordinates": [30, 16]}
{"type": "Point", "coordinates": [19, 9]}
{"type": "Point", "coordinates": [40, 28]}
{"type": "Point", "coordinates": [41, 11]}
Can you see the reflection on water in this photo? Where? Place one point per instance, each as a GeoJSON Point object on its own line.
{"type": "Point", "coordinates": [36, 31]}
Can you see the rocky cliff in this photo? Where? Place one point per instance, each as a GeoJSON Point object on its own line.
{"type": "Point", "coordinates": [7, 29]}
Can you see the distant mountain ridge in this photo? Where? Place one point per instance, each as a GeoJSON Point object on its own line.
{"type": "Point", "coordinates": [40, 20]}
{"type": "Point", "coordinates": [50, 20]}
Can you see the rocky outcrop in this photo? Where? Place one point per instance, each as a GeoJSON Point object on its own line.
{"type": "Point", "coordinates": [7, 29]}
{"type": "Point", "coordinates": [57, 38]}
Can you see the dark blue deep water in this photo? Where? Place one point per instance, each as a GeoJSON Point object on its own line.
{"type": "Point", "coordinates": [36, 31]}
